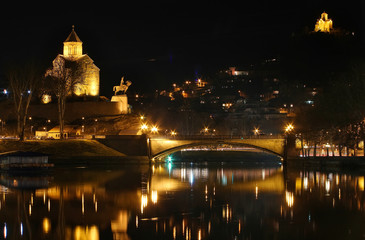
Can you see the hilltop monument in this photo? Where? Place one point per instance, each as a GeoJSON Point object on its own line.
{"type": "Point", "coordinates": [122, 98]}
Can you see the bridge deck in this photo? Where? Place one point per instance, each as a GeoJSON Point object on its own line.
{"type": "Point", "coordinates": [163, 146]}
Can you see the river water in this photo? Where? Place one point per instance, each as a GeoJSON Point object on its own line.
{"type": "Point", "coordinates": [227, 199]}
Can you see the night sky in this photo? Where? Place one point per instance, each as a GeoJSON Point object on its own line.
{"type": "Point", "coordinates": [159, 43]}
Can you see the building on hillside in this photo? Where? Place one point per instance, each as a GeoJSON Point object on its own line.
{"type": "Point", "coordinates": [324, 24]}
{"type": "Point", "coordinates": [87, 71]}
{"type": "Point", "coordinates": [69, 131]}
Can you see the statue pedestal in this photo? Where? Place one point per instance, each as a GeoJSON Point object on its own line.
{"type": "Point", "coordinates": [123, 100]}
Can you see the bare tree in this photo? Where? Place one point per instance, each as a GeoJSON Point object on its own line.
{"type": "Point", "coordinates": [61, 81]}
{"type": "Point", "coordinates": [23, 81]}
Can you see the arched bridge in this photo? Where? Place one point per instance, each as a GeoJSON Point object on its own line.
{"type": "Point", "coordinates": [159, 147]}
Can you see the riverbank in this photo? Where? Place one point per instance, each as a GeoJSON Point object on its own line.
{"type": "Point", "coordinates": [61, 148]}
{"type": "Point", "coordinates": [329, 163]}
{"type": "Point", "coordinates": [73, 152]}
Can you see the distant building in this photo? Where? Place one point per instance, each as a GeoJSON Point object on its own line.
{"type": "Point", "coordinates": [72, 53]}
{"type": "Point", "coordinates": [324, 24]}
{"type": "Point", "coordinates": [234, 72]}
{"type": "Point", "coordinates": [68, 131]}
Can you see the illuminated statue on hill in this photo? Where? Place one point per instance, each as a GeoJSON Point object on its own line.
{"type": "Point", "coordinates": [123, 87]}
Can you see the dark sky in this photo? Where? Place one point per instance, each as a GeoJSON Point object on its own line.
{"type": "Point", "coordinates": [157, 43]}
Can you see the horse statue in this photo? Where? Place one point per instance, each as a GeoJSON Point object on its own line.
{"type": "Point", "coordinates": [123, 86]}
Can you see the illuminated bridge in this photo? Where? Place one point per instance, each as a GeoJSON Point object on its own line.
{"type": "Point", "coordinates": [159, 147]}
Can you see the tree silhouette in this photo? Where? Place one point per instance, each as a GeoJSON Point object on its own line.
{"type": "Point", "coordinates": [23, 81]}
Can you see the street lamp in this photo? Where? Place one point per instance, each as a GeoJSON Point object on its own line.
{"type": "Point", "coordinates": [289, 128]}
{"type": "Point", "coordinates": [154, 129]}
{"type": "Point", "coordinates": [173, 133]}
{"type": "Point", "coordinates": [144, 127]}
{"type": "Point", "coordinates": [205, 130]}
{"type": "Point", "coordinates": [95, 126]}
{"type": "Point", "coordinates": [256, 131]}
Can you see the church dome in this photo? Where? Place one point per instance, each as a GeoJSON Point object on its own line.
{"type": "Point", "coordinates": [73, 36]}
{"type": "Point", "coordinates": [72, 46]}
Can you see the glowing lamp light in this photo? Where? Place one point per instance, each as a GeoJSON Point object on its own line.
{"type": "Point", "coordinates": [154, 129]}
{"type": "Point", "coordinates": [144, 127]}
{"type": "Point", "coordinates": [289, 128]}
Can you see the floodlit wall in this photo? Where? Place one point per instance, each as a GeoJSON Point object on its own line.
{"type": "Point", "coordinates": [76, 110]}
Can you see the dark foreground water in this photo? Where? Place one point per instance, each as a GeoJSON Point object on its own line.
{"type": "Point", "coordinates": [214, 200]}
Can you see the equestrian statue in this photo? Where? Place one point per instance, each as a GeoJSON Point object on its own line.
{"type": "Point", "coordinates": [123, 87]}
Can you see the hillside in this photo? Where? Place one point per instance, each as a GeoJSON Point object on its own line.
{"type": "Point", "coordinates": [61, 148]}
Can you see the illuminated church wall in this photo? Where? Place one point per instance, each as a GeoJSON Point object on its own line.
{"type": "Point", "coordinates": [72, 49]}
{"type": "Point", "coordinates": [72, 52]}
{"type": "Point", "coordinates": [90, 78]}
{"type": "Point", "coordinates": [323, 24]}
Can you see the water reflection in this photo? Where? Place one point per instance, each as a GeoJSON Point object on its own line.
{"type": "Point", "coordinates": [183, 201]}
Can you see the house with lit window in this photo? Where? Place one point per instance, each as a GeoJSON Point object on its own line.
{"type": "Point", "coordinates": [69, 131]}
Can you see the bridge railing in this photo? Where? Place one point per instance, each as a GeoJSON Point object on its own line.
{"type": "Point", "coordinates": [217, 137]}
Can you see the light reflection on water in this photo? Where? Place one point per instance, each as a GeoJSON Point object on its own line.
{"type": "Point", "coordinates": [183, 201]}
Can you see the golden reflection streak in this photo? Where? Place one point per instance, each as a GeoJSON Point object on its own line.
{"type": "Point", "coordinates": [289, 198]}
{"type": "Point", "coordinates": [46, 225]}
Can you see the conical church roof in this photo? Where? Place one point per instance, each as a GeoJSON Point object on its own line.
{"type": "Point", "coordinates": [73, 36]}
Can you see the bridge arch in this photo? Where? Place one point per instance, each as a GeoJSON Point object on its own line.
{"type": "Point", "coordinates": [162, 147]}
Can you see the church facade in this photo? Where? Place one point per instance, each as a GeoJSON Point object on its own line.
{"type": "Point", "coordinates": [324, 24]}
{"type": "Point", "coordinates": [88, 73]}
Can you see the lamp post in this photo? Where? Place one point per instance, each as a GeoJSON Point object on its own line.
{"type": "Point", "coordinates": [256, 131]}
{"type": "Point", "coordinates": [173, 133]}
{"type": "Point", "coordinates": [96, 126]}
{"type": "Point", "coordinates": [144, 128]}
{"type": "Point", "coordinates": [205, 130]}
{"type": "Point", "coordinates": [154, 129]}
{"type": "Point", "coordinates": [288, 130]}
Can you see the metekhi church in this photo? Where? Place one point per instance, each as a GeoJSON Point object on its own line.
{"type": "Point", "coordinates": [87, 88]}
{"type": "Point", "coordinates": [89, 72]}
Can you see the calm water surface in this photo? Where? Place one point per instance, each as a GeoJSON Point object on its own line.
{"type": "Point", "coordinates": [184, 201]}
